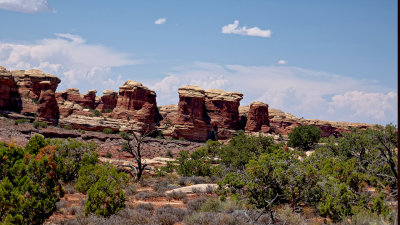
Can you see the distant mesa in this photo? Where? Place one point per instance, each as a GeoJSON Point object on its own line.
{"type": "Point", "coordinates": [200, 114]}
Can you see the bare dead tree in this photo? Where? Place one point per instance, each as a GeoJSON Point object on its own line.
{"type": "Point", "coordinates": [133, 146]}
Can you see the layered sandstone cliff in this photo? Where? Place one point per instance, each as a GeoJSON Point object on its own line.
{"type": "Point", "coordinates": [192, 122]}
{"type": "Point", "coordinates": [222, 108]}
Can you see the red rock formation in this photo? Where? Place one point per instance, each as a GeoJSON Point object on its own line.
{"type": "Point", "coordinates": [257, 119]}
{"type": "Point", "coordinates": [30, 87]}
{"type": "Point", "coordinates": [86, 100]}
{"type": "Point", "coordinates": [223, 110]}
{"type": "Point", "coordinates": [137, 103]}
{"type": "Point", "coordinates": [10, 98]}
{"type": "Point", "coordinates": [191, 122]}
{"type": "Point", "coordinates": [47, 104]}
{"type": "Point", "coordinates": [108, 101]}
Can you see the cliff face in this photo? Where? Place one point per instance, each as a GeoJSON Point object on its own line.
{"type": "Point", "coordinates": [10, 99]}
{"type": "Point", "coordinates": [199, 115]}
{"type": "Point", "coordinates": [47, 104]}
{"type": "Point", "coordinates": [191, 122]}
{"type": "Point", "coordinates": [30, 92]}
{"type": "Point", "coordinates": [108, 101]}
{"type": "Point", "coordinates": [257, 118]}
{"type": "Point", "coordinates": [137, 103]}
{"type": "Point", "coordinates": [30, 87]}
{"type": "Point", "coordinates": [222, 108]}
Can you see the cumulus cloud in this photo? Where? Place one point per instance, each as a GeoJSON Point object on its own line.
{"type": "Point", "coordinates": [26, 6]}
{"type": "Point", "coordinates": [160, 21]}
{"type": "Point", "coordinates": [302, 92]}
{"type": "Point", "coordinates": [282, 62]}
{"type": "Point", "coordinates": [68, 56]}
{"type": "Point", "coordinates": [371, 104]}
{"type": "Point", "coordinates": [253, 31]}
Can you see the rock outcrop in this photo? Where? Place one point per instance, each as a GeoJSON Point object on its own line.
{"type": "Point", "coordinates": [192, 122]}
{"type": "Point", "coordinates": [29, 82]}
{"type": "Point", "coordinates": [257, 118]}
{"type": "Point", "coordinates": [222, 108]}
{"type": "Point", "coordinates": [10, 99]}
{"type": "Point", "coordinates": [138, 103]}
{"type": "Point", "coordinates": [47, 104]}
{"type": "Point", "coordinates": [108, 101]}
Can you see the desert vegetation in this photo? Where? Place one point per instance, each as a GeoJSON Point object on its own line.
{"type": "Point", "coordinates": [252, 179]}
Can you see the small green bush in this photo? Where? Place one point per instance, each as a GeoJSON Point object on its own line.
{"type": "Point", "coordinates": [169, 154]}
{"type": "Point", "coordinates": [68, 127]}
{"type": "Point", "coordinates": [195, 164]}
{"type": "Point", "coordinates": [124, 135]}
{"type": "Point", "coordinates": [107, 110]}
{"type": "Point", "coordinates": [21, 121]}
{"type": "Point", "coordinates": [37, 124]}
{"type": "Point", "coordinates": [304, 137]}
{"type": "Point", "coordinates": [71, 155]}
{"type": "Point", "coordinates": [176, 195]}
{"type": "Point", "coordinates": [107, 131]}
{"type": "Point", "coordinates": [90, 174]}
{"type": "Point", "coordinates": [105, 198]}
{"type": "Point", "coordinates": [160, 135]}
{"type": "Point", "coordinates": [108, 155]}
{"type": "Point", "coordinates": [35, 144]}
{"type": "Point", "coordinates": [97, 113]}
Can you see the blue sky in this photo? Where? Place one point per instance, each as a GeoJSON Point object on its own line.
{"type": "Point", "coordinates": [331, 60]}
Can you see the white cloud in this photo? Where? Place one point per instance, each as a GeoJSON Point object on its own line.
{"type": "Point", "coordinates": [282, 62]}
{"type": "Point", "coordinates": [26, 6]}
{"type": "Point", "coordinates": [302, 92]}
{"type": "Point", "coordinates": [160, 21]}
{"type": "Point", "coordinates": [372, 104]}
{"type": "Point", "coordinates": [69, 57]}
{"type": "Point", "coordinates": [253, 31]}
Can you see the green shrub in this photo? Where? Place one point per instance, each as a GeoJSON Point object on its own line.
{"type": "Point", "coordinates": [37, 124]}
{"type": "Point", "coordinates": [160, 134]}
{"type": "Point", "coordinates": [68, 127]}
{"type": "Point", "coordinates": [105, 197]}
{"type": "Point", "coordinates": [242, 148]}
{"type": "Point", "coordinates": [90, 174]}
{"type": "Point", "coordinates": [107, 110]}
{"type": "Point", "coordinates": [107, 131]}
{"type": "Point", "coordinates": [108, 155]}
{"type": "Point", "coordinates": [177, 195]}
{"type": "Point", "coordinates": [124, 135]}
{"type": "Point", "coordinates": [169, 154]}
{"type": "Point", "coordinates": [336, 201]}
{"type": "Point", "coordinates": [20, 121]}
{"type": "Point", "coordinates": [29, 186]}
{"type": "Point", "coordinates": [304, 137]}
{"type": "Point", "coordinates": [195, 164]}
{"type": "Point", "coordinates": [71, 155]}
{"type": "Point", "coordinates": [212, 205]}
{"type": "Point", "coordinates": [35, 144]}
{"type": "Point", "coordinates": [97, 113]}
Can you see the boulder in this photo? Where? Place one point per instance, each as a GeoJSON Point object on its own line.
{"type": "Point", "coordinates": [257, 118]}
